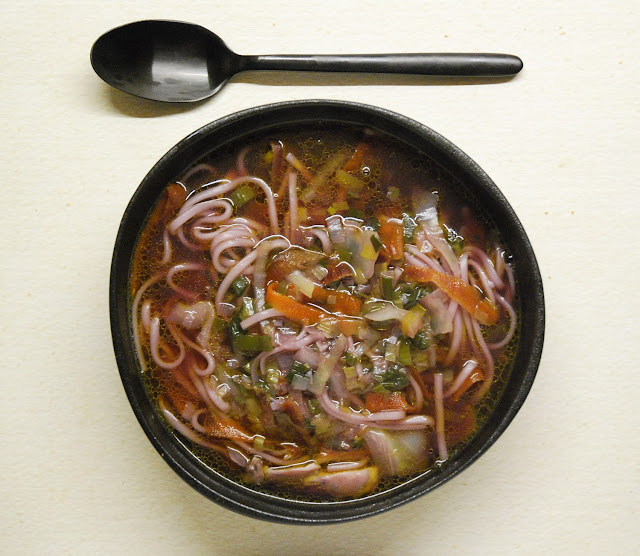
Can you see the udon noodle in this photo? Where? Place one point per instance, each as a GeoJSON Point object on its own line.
{"type": "Point", "coordinates": [321, 314]}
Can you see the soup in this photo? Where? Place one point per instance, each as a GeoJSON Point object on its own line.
{"type": "Point", "coordinates": [322, 314]}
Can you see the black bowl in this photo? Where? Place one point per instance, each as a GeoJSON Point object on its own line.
{"type": "Point", "coordinates": [235, 129]}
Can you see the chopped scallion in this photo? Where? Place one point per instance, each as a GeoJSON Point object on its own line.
{"type": "Point", "coordinates": [404, 352]}
{"type": "Point", "coordinates": [242, 195]}
{"type": "Point", "coordinates": [375, 241]}
{"type": "Point", "coordinates": [248, 343]}
{"type": "Point", "coordinates": [239, 285]}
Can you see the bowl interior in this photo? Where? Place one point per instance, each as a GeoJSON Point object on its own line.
{"type": "Point", "coordinates": [236, 129]}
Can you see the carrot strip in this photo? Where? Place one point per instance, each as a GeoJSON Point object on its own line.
{"type": "Point", "coordinates": [474, 377]}
{"type": "Point", "coordinates": [381, 401]}
{"type": "Point", "coordinates": [341, 302]}
{"type": "Point", "coordinates": [291, 308]}
{"type": "Point", "coordinates": [355, 163]}
{"type": "Point", "coordinates": [391, 234]}
{"type": "Point", "coordinates": [224, 427]}
{"type": "Point", "coordinates": [467, 296]}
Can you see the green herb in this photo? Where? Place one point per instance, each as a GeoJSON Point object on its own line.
{"type": "Point", "coordinates": [298, 369]}
{"type": "Point", "coordinates": [351, 358]}
{"type": "Point", "coordinates": [372, 223]}
{"type": "Point", "coordinates": [239, 285]}
{"type": "Point", "coordinates": [415, 296]}
{"type": "Point", "coordinates": [314, 406]}
{"type": "Point", "coordinates": [420, 340]}
{"type": "Point", "coordinates": [393, 379]}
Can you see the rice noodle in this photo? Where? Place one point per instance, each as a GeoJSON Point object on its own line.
{"type": "Point", "coordinates": [437, 394]}
{"type": "Point", "coordinates": [236, 271]}
{"type": "Point", "coordinates": [154, 343]}
{"type": "Point", "coordinates": [257, 317]}
{"type": "Point", "coordinates": [183, 267]}
{"type": "Point", "coordinates": [184, 430]}
{"type": "Point", "coordinates": [293, 206]}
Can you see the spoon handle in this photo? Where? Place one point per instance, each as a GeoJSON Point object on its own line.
{"type": "Point", "coordinates": [422, 64]}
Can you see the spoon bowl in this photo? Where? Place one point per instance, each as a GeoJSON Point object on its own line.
{"type": "Point", "coordinates": [173, 61]}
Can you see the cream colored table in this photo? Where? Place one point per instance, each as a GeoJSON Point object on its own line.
{"type": "Point", "coordinates": [77, 474]}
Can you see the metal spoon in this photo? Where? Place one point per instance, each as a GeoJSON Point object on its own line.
{"type": "Point", "coordinates": [172, 61]}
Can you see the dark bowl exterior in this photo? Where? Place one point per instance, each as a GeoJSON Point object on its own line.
{"type": "Point", "coordinates": [259, 120]}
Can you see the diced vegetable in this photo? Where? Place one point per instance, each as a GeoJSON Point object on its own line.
{"type": "Point", "coordinates": [369, 250]}
{"type": "Point", "coordinates": [302, 283]}
{"type": "Point", "coordinates": [337, 207]}
{"type": "Point", "coordinates": [420, 340]}
{"type": "Point", "coordinates": [249, 343]}
{"type": "Point", "coordinates": [412, 321]}
{"type": "Point", "coordinates": [372, 223]}
{"type": "Point", "coordinates": [415, 296]}
{"type": "Point", "coordinates": [386, 279]}
{"type": "Point", "coordinates": [376, 243]}
{"type": "Point", "coordinates": [351, 358]}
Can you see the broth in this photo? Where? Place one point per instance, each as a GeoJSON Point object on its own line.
{"type": "Point", "coordinates": [322, 314]}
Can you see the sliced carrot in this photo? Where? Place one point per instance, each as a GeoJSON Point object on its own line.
{"type": "Point", "coordinates": [391, 235]}
{"type": "Point", "coordinates": [291, 308]}
{"type": "Point", "coordinates": [474, 377]}
{"type": "Point", "coordinates": [381, 401]}
{"type": "Point", "coordinates": [467, 296]}
{"type": "Point", "coordinates": [224, 427]}
{"type": "Point", "coordinates": [337, 301]}
{"type": "Point", "coordinates": [176, 195]}
{"type": "Point", "coordinates": [346, 326]}
{"type": "Point", "coordinates": [355, 163]}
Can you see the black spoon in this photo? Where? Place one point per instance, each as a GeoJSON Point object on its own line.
{"type": "Point", "coordinates": [172, 61]}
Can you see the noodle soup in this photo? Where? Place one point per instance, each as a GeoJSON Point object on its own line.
{"type": "Point", "coordinates": [322, 314]}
